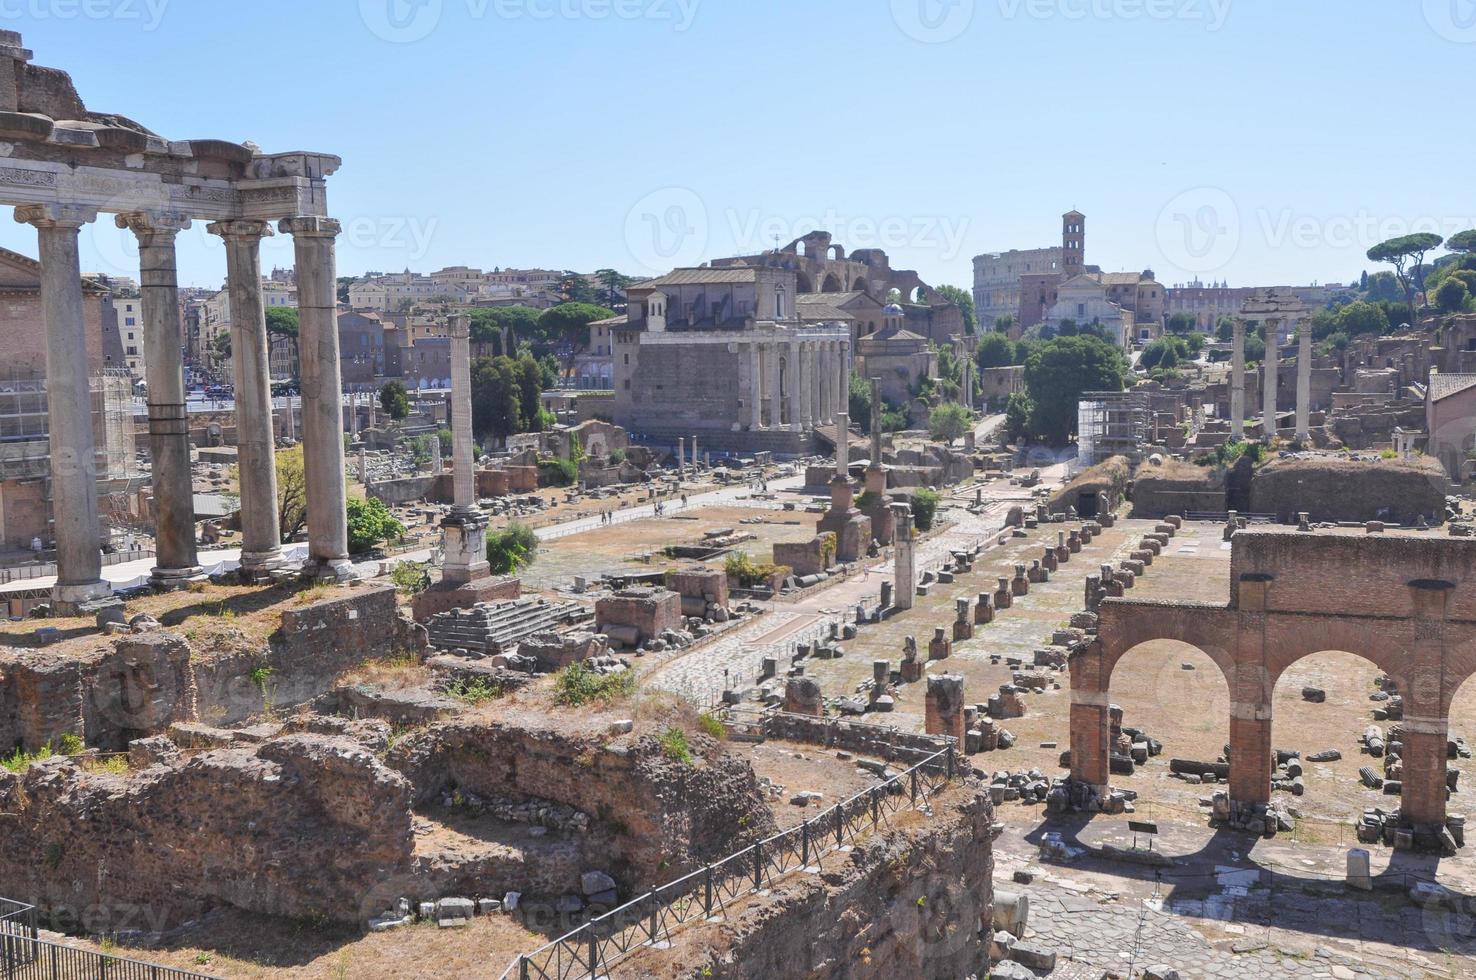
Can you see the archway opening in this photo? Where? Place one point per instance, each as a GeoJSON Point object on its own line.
{"type": "Point", "coordinates": [831, 284]}
{"type": "Point", "coordinates": [1174, 693]}
{"type": "Point", "coordinates": [803, 283]}
{"type": "Point", "coordinates": [1321, 704]}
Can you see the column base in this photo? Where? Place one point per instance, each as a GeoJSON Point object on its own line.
{"type": "Point", "coordinates": [69, 599]}
{"type": "Point", "coordinates": [169, 579]}
{"type": "Point", "coordinates": [328, 569]}
{"type": "Point", "coordinates": [261, 566]}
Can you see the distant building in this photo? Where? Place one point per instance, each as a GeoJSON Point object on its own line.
{"type": "Point", "coordinates": [1207, 303]}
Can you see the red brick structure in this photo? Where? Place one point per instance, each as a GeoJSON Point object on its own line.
{"type": "Point", "coordinates": [945, 706]}
{"type": "Point", "coordinates": [1406, 604]}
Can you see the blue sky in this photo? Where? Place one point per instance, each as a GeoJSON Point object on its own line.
{"type": "Point", "coordinates": [1249, 140]}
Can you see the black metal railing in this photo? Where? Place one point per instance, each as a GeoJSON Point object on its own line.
{"type": "Point", "coordinates": [707, 893]}
{"type": "Point", "coordinates": [24, 955]}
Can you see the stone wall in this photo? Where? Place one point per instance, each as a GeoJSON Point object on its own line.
{"type": "Point", "coordinates": [291, 827]}
{"type": "Point", "coordinates": [147, 681]}
{"type": "Point", "coordinates": [646, 612]}
{"type": "Point", "coordinates": [1178, 488]}
{"type": "Point", "coordinates": [1334, 489]}
{"type": "Point", "coordinates": [1106, 483]}
{"type": "Point", "coordinates": [659, 818]}
{"type": "Point", "coordinates": [879, 741]}
{"type": "Point", "coordinates": [908, 903]}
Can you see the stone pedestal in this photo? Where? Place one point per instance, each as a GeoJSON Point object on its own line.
{"type": "Point", "coordinates": [1020, 585]}
{"type": "Point", "coordinates": [802, 697]}
{"type": "Point", "coordinates": [945, 707]}
{"type": "Point", "coordinates": [963, 625]}
{"type": "Point", "coordinates": [940, 647]}
{"type": "Point", "coordinates": [984, 610]}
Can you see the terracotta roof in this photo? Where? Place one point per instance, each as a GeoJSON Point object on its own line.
{"type": "Point", "coordinates": [614, 321]}
{"type": "Point", "coordinates": [822, 311]}
{"type": "Point", "coordinates": [1121, 278]}
{"type": "Point", "coordinates": [698, 277]}
{"type": "Point", "coordinates": [1445, 385]}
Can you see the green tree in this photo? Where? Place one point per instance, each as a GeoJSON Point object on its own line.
{"type": "Point", "coordinates": [1361, 318]}
{"type": "Point", "coordinates": [1004, 322]}
{"type": "Point", "coordinates": [1452, 296]}
{"type": "Point", "coordinates": [530, 388]}
{"type": "Point", "coordinates": [1165, 352]}
{"type": "Point", "coordinates": [1056, 374]}
{"type": "Point", "coordinates": [370, 523]}
{"type": "Point", "coordinates": [569, 322]}
{"type": "Point", "coordinates": [859, 402]}
{"type": "Point", "coordinates": [395, 400]}
{"type": "Point", "coordinates": [488, 325]}
{"type": "Point", "coordinates": [575, 288]}
{"type": "Point", "coordinates": [1463, 242]}
{"type": "Point", "coordinates": [995, 350]}
{"type": "Point", "coordinates": [614, 284]}
{"type": "Point", "coordinates": [496, 397]}
{"type": "Point", "coordinates": [511, 548]}
{"type": "Point", "coordinates": [1181, 323]}
{"type": "Point", "coordinates": [1407, 255]}
{"type": "Point", "coordinates": [949, 422]}
{"type": "Point", "coordinates": [282, 329]}
{"type": "Point", "coordinates": [964, 300]}
{"type": "Point", "coordinates": [1018, 411]}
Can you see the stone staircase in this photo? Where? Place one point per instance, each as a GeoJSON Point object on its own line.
{"type": "Point", "coordinates": [491, 628]}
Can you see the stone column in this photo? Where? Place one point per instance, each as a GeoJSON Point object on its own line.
{"type": "Point", "coordinates": [176, 560]}
{"type": "Point", "coordinates": [694, 454]}
{"type": "Point", "coordinates": [805, 378]}
{"type": "Point", "coordinates": [68, 406]}
{"type": "Point", "coordinates": [755, 389]}
{"type": "Point", "coordinates": [1304, 380]}
{"type": "Point", "coordinates": [775, 390]}
{"type": "Point", "coordinates": [876, 433]}
{"type": "Point", "coordinates": [1237, 381]}
{"type": "Point", "coordinates": [464, 531]}
{"type": "Point", "coordinates": [322, 395]}
{"type": "Point", "coordinates": [1268, 379]}
{"type": "Point", "coordinates": [842, 445]}
{"type": "Point", "coordinates": [681, 456]}
{"type": "Point", "coordinates": [290, 417]}
{"type": "Point", "coordinates": [256, 456]}
{"type": "Point", "coordinates": [905, 569]}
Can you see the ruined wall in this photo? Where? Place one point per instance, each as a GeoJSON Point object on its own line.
{"type": "Point", "coordinates": [1178, 488]}
{"type": "Point", "coordinates": [147, 681]}
{"type": "Point", "coordinates": [908, 903]}
{"type": "Point", "coordinates": [291, 827]}
{"type": "Point", "coordinates": [1332, 489]}
{"type": "Point", "coordinates": [1354, 574]}
{"type": "Point", "coordinates": [661, 817]}
{"type": "Point", "coordinates": [872, 740]}
{"type": "Point", "coordinates": [1108, 480]}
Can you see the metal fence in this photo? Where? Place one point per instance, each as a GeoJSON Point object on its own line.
{"type": "Point", "coordinates": [709, 892]}
{"type": "Point", "coordinates": [26, 956]}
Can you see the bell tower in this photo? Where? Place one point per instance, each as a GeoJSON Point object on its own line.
{"type": "Point", "coordinates": [1073, 244]}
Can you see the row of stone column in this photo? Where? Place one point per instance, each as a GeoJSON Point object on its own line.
{"type": "Point", "coordinates": [808, 390]}
{"type": "Point", "coordinates": [69, 404]}
{"type": "Point", "coordinates": [1269, 379]}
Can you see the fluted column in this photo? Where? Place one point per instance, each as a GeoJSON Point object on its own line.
{"type": "Point", "coordinates": [176, 559]}
{"type": "Point", "coordinates": [256, 454]}
{"type": "Point", "coordinates": [806, 379]}
{"type": "Point", "coordinates": [1237, 380]}
{"type": "Point", "coordinates": [1304, 380]}
{"type": "Point", "coordinates": [68, 405]}
{"type": "Point", "coordinates": [771, 356]}
{"type": "Point", "coordinates": [322, 395]}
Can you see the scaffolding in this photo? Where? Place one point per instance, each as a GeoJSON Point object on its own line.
{"type": "Point", "coordinates": [25, 448]}
{"type": "Point", "coordinates": [1111, 423]}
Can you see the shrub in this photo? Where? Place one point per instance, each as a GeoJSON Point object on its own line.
{"type": "Point", "coordinates": [741, 567]}
{"type": "Point", "coordinates": [475, 690]}
{"type": "Point", "coordinates": [557, 472]}
{"type": "Point", "coordinates": [924, 509]}
{"type": "Point", "coordinates": [617, 456]}
{"type": "Point", "coordinates": [511, 548]}
{"type": "Point", "coordinates": [369, 523]}
{"type": "Point", "coordinates": [674, 744]}
{"type": "Point", "coordinates": [949, 422]}
{"type": "Point", "coordinates": [394, 399]}
{"type": "Point", "coordinates": [577, 685]}
{"type": "Point", "coordinates": [410, 578]}
{"type": "Point", "coordinates": [712, 726]}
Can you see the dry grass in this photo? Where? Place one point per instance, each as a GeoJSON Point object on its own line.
{"type": "Point", "coordinates": [393, 674]}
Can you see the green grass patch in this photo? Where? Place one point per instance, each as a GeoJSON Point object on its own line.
{"type": "Point", "coordinates": [472, 690]}
{"type": "Point", "coordinates": [576, 685]}
{"type": "Point", "coordinates": [712, 726]}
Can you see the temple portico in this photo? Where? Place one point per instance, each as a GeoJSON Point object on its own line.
{"type": "Point", "coordinates": [59, 175]}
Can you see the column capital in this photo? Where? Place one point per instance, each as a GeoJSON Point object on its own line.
{"type": "Point", "coordinates": [241, 229]}
{"type": "Point", "coordinates": [460, 327]}
{"type": "Point", "coordinates": [151, 223]}
{"type": "Point", "coordinates": [310, 226]}
{"type": "Point", "coordinates": [55, 215]}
